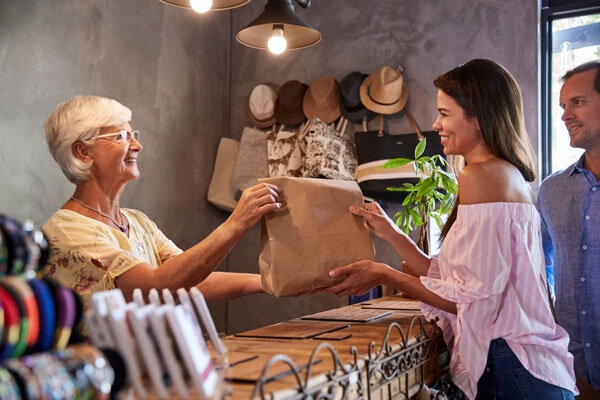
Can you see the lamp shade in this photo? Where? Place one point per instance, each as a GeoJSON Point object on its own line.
{"type": "Point", "coordinates": [217, 5]}
{"type": "Point", "coordinates": [298, 33]}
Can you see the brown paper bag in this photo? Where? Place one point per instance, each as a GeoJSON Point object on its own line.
{"type": "Point", "coordinates": [311, 234]}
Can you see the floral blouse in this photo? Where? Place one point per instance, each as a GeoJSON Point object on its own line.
{"type": "Point", "coordinates": [87, 255]}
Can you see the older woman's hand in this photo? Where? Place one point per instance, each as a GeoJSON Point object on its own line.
{"type": "Point", "coordinates": [377, 219]}
{"type": "Point", "coordinates": [361, 276]}
{"type": "Point", "coordinates": [255, 202]}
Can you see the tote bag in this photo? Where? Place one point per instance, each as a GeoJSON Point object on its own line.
{"type": "Point", "coordinates": [251, 161]}
{"type": "Point", "coordinates": [330, 153]}
{"type": "Point", "coordinates": [374, 148]}
{"type": "Point", "coordinates": [286, 149]}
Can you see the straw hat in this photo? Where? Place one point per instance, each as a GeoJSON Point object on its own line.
{"type": "Point", "coordinates": [351, 106]}
{"type": "Point", "coordinates": [260, 105]}
{"type": "Point", "coordinates": [288, 109]}
{"type": "Point", "coordinates": [322, 99]}
{"type": "Point", "coordinates": [384, 92]}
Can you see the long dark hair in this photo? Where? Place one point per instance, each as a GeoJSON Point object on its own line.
{"type": "Point", "coordinates": [487, 91]}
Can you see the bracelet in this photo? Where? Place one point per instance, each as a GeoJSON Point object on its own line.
{"type": "Point", "coordinates": [9, 390]}
{"type": "Point", "coordinates": [21, 343]}
{"type": "Point", "coordinates": [102, 376]}
{"type": "Point", "coordinates": [29, 384]}
{"type": "Point", "coordinates": [17, 252]}
{"type": "Point", "coordinates": [12, 320]}
{"type": "Point", "coordinates": [3, 254]}
{"type": "Point", "coordinates": [31, 306]}
{"type": "Point", "coordinates": [47, 314]}
{"type": "Point", "coordinates": [54, 378]}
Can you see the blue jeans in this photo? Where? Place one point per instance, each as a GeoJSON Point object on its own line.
{"type": "Point", "coordinates": [505, 377]}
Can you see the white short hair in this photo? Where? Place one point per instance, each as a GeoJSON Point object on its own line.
{"type": "Point", "coordinates": [80, 119]}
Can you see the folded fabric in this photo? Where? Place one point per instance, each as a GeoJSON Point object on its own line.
{"type": "Point", "coordinates": [251, 161]}
{"type": "Point", "coordinates": [219, 189]}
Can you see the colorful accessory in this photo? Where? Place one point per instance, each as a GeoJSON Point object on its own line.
{"type": "Point", "coordinates": [47, 314]}
{"type": "Point", "coordinates": [31, 306]}
{"type": "Point", "coordinates": [121, 226]}
{"type": "Point", "coordinates": [17, 250]}
{"type": "Point", "coordinates": [12, 325]}
{"type": "Point", "coordinates": [65, 317]}
{"type": "Point", "coordinates": [28, 383]}
{"type": "Point", "coordinates": [54, 378]}
{"type": "Point", "coordinates": [9, 390]}
{"type": "Point", "coordinates": [21, 344]}
{"type": "Point", "coordinates": [3, 254]}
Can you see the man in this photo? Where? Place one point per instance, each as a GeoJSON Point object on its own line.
{"type": "Point", "coordinates": [569, 203]}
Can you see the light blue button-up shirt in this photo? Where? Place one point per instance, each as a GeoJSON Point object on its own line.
{"type": "Point", "coordinates": [569, 203]}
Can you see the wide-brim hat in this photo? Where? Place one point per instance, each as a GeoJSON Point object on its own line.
{"type": "Point", "coordinates": [351, 107]}
{"type": "Point", "coordinates": [322, 99]}
{"type": "Point", "coordinates": [288, 109]}
{"type": "Point", "coordinates": [384, 92]}
{"type": "Point", "coordinates": [260, 105]}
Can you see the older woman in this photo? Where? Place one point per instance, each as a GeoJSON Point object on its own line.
{"type": "Point", "coordinates": [97, 245]}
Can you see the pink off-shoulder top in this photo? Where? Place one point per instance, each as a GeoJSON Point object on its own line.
{"type": "Point", "coordinates": [491, 265]}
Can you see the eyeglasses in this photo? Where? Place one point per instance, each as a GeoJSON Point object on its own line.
{"type": "Point", "coordinates": [122, 135]}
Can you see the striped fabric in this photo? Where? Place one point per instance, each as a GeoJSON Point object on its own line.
{"type": "Point", "coordinates": [491, 265]}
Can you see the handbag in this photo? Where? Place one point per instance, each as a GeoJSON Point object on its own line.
{"type": "Point", "coordinates": [330, 153]}
{"type": "Point", "coordinates": [374, 148]}
{"type": "Point", "coordinates": [219, 189]}
{"type": "Point", "coordinates": [250, 162]}
{"type": "Point", "coordinates": [286, 151]}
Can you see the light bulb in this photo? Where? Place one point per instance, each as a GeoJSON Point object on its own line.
{"type": "Point", "coordinates": [201, 6]}
{"type": "Point", "coordinates": [277, 43]}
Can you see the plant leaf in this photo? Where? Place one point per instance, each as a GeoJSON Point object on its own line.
{"type": "Point", "coordinates": [396, 162]}
{"type": "Point", "coordinates": [420, 148]}
{"type": "Point", "coordinates": [415, 217]}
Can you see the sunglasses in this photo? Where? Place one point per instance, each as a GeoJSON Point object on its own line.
{"type": "Point", "coordinates": [122, 135]}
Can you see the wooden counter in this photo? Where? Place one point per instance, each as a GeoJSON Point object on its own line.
{"type": "Point", "coordinates": [385, 358]}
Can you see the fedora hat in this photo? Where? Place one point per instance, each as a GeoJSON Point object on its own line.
{"type": "Point", "coordinates": [322, 99]}
{"type": "Point", "coordinates": [288, 109]}
{"type": "Point", "coordinates": [260, 105]}
{"type": "Point", "coordinates": [351, 106]}
{"type": "Point", "coordinates": [384, 92]}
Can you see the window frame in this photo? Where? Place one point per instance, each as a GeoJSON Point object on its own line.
{"type": "Point", "coordinates": [550, 11]}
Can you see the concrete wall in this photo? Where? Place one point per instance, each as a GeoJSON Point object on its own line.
{"type": "Point", "coordinates": [427, 37]}
{"type": "Point", "coordinates": [172, 68]}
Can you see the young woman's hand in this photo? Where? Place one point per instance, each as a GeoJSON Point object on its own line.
{"type": "Point", "coordinates": [377, 219]}
{"type": "Point", "coordinates": [360, 277]}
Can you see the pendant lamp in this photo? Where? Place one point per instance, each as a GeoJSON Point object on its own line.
{"type": "Point", "coordinates": [217, 5]}
{"type": "Point", "coordinates": [278, 28]}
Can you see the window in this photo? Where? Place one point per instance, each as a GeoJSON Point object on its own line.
{"type": "Point", "coordinates": [570, 36]}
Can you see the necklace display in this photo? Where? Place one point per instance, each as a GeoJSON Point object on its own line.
{"type": "Point", "coordinates": [121, 225]}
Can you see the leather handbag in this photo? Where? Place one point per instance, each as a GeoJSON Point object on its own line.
{"type": "Point", "coordinates": [286, 151]}
{"type": "Point", "coordinates": [330, 153]}
{"type": "Point", "coordinates": [219, 189]}
{"type": "Point", "coordinates": [374, 148]}
{"type": "Point", "coordinates": [250, 162]}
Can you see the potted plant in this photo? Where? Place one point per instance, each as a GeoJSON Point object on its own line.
{"type": "Point", "coordinates": [432, 197]}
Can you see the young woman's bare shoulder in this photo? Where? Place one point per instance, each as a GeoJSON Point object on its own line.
{"type": "Point", "coordinates": [481, 183]}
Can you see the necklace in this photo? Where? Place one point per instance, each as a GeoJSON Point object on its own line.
{"type": "Point", "coordinates": [121, 225]}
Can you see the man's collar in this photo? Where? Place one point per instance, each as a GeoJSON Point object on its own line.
{"type": "Point", "coordinates": [578, 166]}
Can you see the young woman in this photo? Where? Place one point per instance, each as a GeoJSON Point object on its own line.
{"type": "Point", "coordinates": [488, 285]}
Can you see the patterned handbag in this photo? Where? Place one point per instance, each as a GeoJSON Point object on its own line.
{"type": "Point", "coordinates": [330, 153]}
{"type": "Point", "coordinates": [286, 151]}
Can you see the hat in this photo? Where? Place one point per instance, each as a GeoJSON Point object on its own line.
{"type": "Point", "coordinates": [351, 106]}
{"type": "Point", "coordinates": [288, 109]}
{"type": "Point", "coordinates": [260, 105]}
{"type": "Point", "coordinates": [384, 92]}
{"type": "Point", "coordinates": [322, 99]}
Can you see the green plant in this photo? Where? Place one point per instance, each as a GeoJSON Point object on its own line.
{"type": "Point", "coordinates": [425, 199]}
